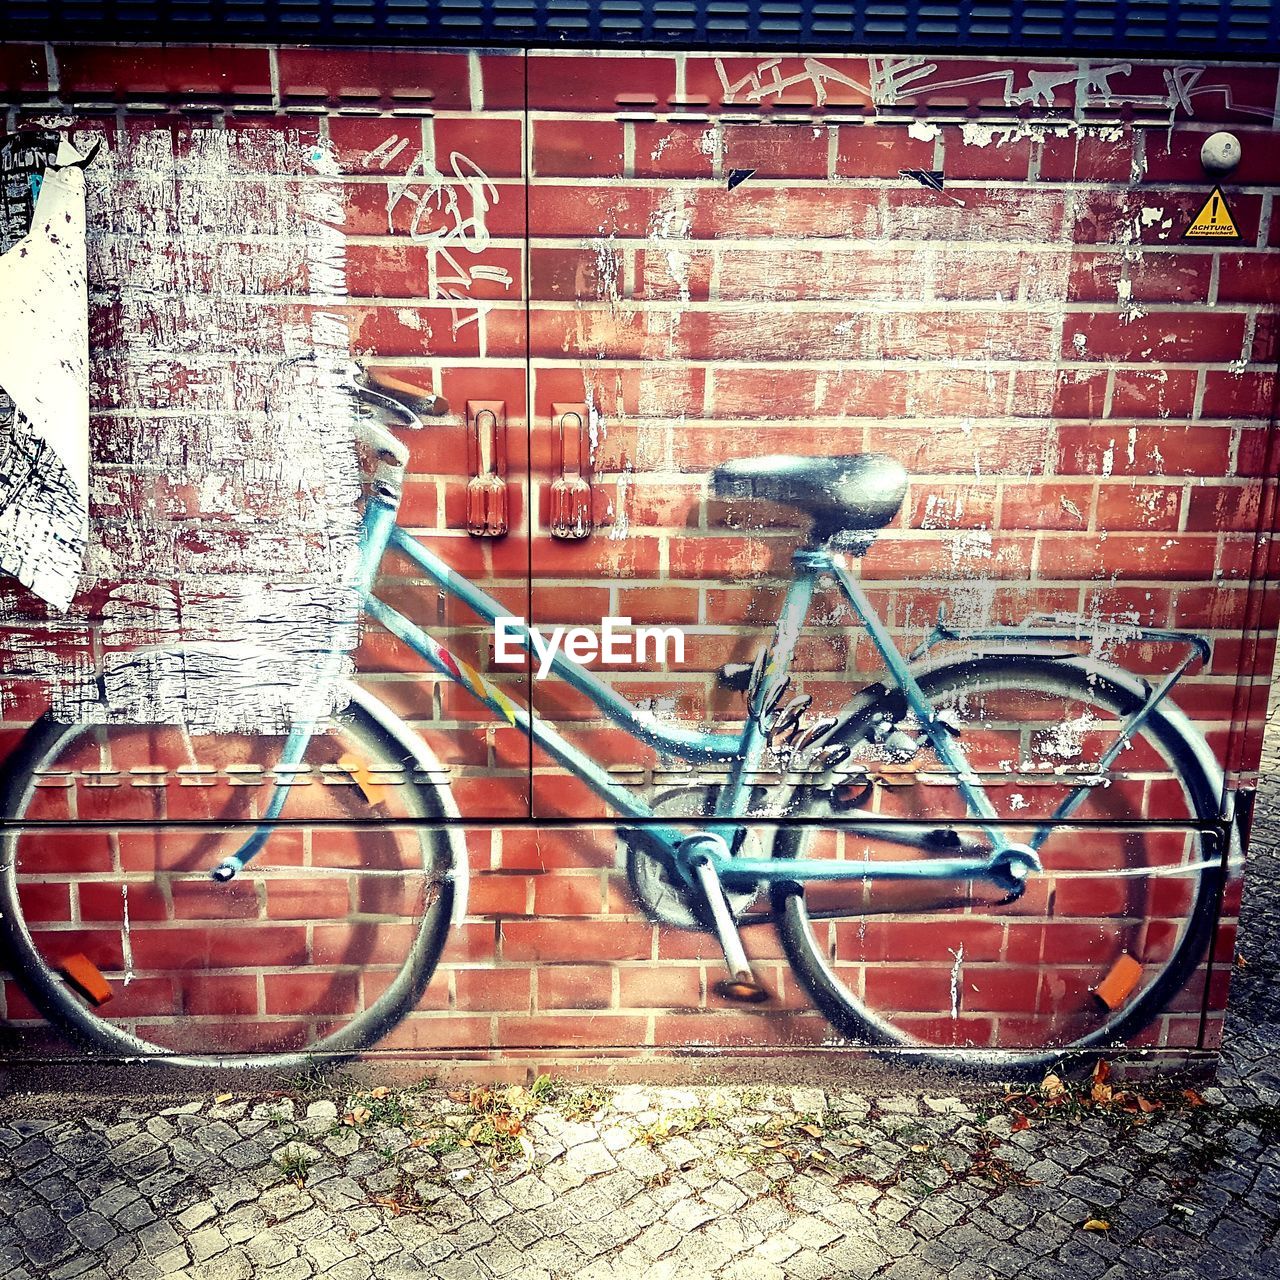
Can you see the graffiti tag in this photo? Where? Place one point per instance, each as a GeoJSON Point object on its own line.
{"type": "Point", "coordinates": [893, 81]}
{"type": "Point", "coordinates": [450, 217]}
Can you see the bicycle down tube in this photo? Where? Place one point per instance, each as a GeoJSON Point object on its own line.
{"type": "Point", "coordinates": [741, 752]}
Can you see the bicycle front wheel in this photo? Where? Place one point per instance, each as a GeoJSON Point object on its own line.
{"type": "Point", "coordinates": [1104, 941]}
{"type": "Point", "coordinates": [318, 947]}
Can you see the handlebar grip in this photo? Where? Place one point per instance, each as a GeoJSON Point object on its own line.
{"type": "Point", "coordinates": [414, 397]}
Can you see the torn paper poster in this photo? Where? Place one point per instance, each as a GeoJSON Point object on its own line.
{"type": "Point", "coordinates": [219, 573]}
{"type": "Point", "coordinates": [44, 366]}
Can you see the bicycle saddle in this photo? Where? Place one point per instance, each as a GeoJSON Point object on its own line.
{"type": "Point", "coordinates": [858, 492]}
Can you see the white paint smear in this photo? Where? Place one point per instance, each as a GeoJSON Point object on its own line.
{"type": "Point", "coordinates": [44, 372]}
{"type": "Point", "coordinates": [226, 482]}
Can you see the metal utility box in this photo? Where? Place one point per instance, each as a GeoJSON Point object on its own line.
{"type": "Point", "coordinates": [664, 300]}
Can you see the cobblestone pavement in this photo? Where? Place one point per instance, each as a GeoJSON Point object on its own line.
{"type": "Point", "coordinates": [735, 1183]}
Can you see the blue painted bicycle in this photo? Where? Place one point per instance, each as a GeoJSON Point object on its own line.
{"type": "Point", "coordinates": [1060, 920]}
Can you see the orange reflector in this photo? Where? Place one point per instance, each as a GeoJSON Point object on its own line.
{"type": "Point", "coordinates": [86, 977]}
{"type": "Point", "coordinates": [363, 779]}
{"type": "Point", "coordinates": [1120, 982]}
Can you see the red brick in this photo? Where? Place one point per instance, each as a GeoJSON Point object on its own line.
{"type": "Point", "coordinates": [293, 898]}
{"type": "Point", "coordinates": [185, 947]}
{"type": "Point", "coordinates": [312, 991]}
{"type": "Point", "coordinates": [1064, 393]}
{"type": "Point", "coordinates": [872, 150]}
{"type": "Point", "coordinates": [571, 1031]}
{"type": "Point", "coordinates": [995, 215]}
{"type": "Point", "coordinates": [496, 145]}
{"type": "Point", "coordinates": [45, 902]}
{"type": "Point", "coordinates": [601, 82]}
{"type": "Point", "coordinates": [498, 895]}
{"type": "Point", "coordinates": [219, 995]}
{"type": "Point", "coordinates": [1219, 93]}
{"type": "Point", "coordinates": [592, 940]}
{"type": "Point", "coordinates": [668, 987]}
{"type": "Point", "coordinates": [1155, 277]}
{"type": "Point", "coordinates": [1051, 505]}
{"type": "Point", "coordinates": [577, 148]}
{"type": "Point", "coordinates": [482, 990]}
{"type": "Point", "coordinates": [564, 895]}
{"type": "Point", "coordinates": [60, 852]}
{"type": "Point", "coordinates": [119, 73]}
{"type": "Point", "coordinates": [1247, 394]}
{"type": "Point", "coordinates": [1143, 450]}
{"type": "Point", "coordinates": [1087, 158]}
{"type": "Point", "coordinates": [797, 274]}
{"type": "Point", "coordinates": [1000, 158]}
{"type": "Point", "coordinates": [942, 506]}
{"type": "Point", "coordinates": [432, 1033]}
{"type": "Point", "coordinates": [908, 988]}
{"type": "Point", "coordinates": [1235, 507]}
{"type": "Point", "coordinates": [774, 151]}
{"type": "Point", "coordinates": [1249, 277]}
{"type": "Point", "coordinates": [575, 987]}
{"type": "Point", "coordinates": [1185, 557]}
{"type": "Point", "coordinates": [1153, 393]}
{"type": "Point", "coordinates": [207, 900]}
{"type": "Point", "coordinates": [1134, 506]}
{"type": "Point", "coordinates": [378, 144]}
{"type": "Point", "coordinates": [673, 150]}
{"type": "Point", "coordinates": [1172, 336]}
{"type": "Point", "coordinates": [975, 275]}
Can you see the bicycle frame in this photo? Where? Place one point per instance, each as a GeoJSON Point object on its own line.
{"type": "Point", "coordinates": [996, 859]}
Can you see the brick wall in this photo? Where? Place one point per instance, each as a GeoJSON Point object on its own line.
{"type": "Point", "coordinates": [1082, 399]}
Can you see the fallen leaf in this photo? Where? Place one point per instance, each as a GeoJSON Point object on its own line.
{"type": "Point", "coordinates": [224, 1097]}
{"type": "Point", "coordinates": [1051, 1086]}
{"type": "Point", "coordinates": [356, 1116]}
{"type": "Point", "coordinates": [919, 1147]}
{"type": "Point", "coordinates": [811, 1129]}
{"type": "Point", "coordinates": [1021, 1123]}
{"type": "Point", "coordinates": [1194, 1098]}
{"type": "Point", "coordinates": [380, 1092]}
{"type": "Point", "coordinates": [1097, 1224]}
{"type": "Point", "coordinates": [1145, 1104]}
{"type": "Point", "coordinates": [1100, 1093]}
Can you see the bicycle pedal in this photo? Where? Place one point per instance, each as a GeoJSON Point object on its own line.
{"type": "Point", "coordinates": [742, 990]}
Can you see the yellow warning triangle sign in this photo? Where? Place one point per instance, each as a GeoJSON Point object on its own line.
{"type": "Point", "coordinates": [1214, 221]}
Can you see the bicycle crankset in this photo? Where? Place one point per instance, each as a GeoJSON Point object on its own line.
{"type": "Point", "coordinates": [653, 880]}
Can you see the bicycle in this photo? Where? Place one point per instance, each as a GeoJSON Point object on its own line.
{"type": "Point", "coordinates": [820, 875]}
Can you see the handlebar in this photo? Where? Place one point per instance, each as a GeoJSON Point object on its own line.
{"type": "Point", "coordinates": [383, 389]}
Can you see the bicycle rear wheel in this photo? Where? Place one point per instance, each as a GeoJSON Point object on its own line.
{"type": "Point", "coordinates": [318, 947]}
{"type": "Point", "coordinates": [1104, 940]}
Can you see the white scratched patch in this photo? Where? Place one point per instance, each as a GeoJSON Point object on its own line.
{"type": "Point", "coordinates": [224, 475]}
